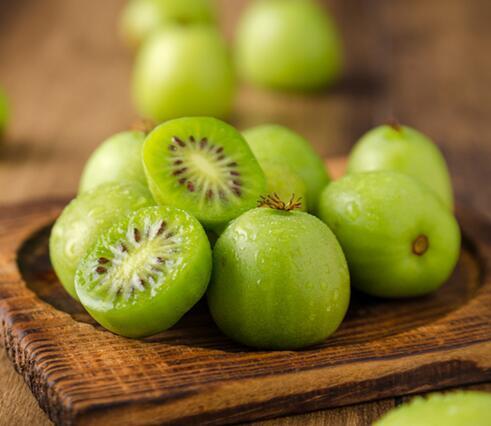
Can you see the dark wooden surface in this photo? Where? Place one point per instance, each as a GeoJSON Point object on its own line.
{"type": "Point", "coordinates": [426, 62]}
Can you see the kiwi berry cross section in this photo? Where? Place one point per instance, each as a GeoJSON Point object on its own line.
{"type": "Point", "coordinates": [203, 166]}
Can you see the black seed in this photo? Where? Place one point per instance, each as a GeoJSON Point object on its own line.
{"type": "Point", "coordinates": [179, 171]}
{"type": "Point", "coordinates": [203, 142]}
{"type": "Point", "coordinates": [232, 164]}
{"type": "Point", "coordinates": [160, 259]}
{"type": "Point", "coordinates": [191, 139]}
{"type": "Point", "coordinates": [142, 283]}
{"type": "Point", "coordinates": [209, 194]}
{"type": "Point", "coordinates": [120, 290]}
{"type": "Point", "coordinates": [220, 150]}
{"type": "Point", "coordinates": [190, 186]}
{"type": "Point", "coordinates": [101, 270]}
{"type": "Point", "coordinates": [180, 142]}
{"type": "Point", "coordinates": [102, 260]}
{"type": "Point", "coordinates": [222, 195]}
{"type": "Point", "coordinates": [161, 228]}
{"type": "Point", "coordinates": [137, 235]}
{"type": "Point", "coordinates": [177, 162]}
{"type": "Point", "coordinates": [236, 191]}
{"type": "Point", "coordinates": [182, 181]}
{"type": "Point", "coordinates": [123, 248]}
{"type": "Point", "coordinates": [234, 173]}
{"type": "Point", "coordinates": [237, 182]}
{"type": "Point", "coordinates": [172, 147]}
{"type": "Point", "coordinates": [220, 157]}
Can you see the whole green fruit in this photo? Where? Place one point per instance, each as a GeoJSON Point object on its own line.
{"type": "Point", "coordinates": [403, 149]}
{"type": "Point", "coordinates": [288, 44]}
{"type": "Point", "coordinates": [276, 144]}
{"type": "Point", "coordinates": [184, 71]}
{"type": "Point", "coordinates": [140, 18]}
{"type": "Point", "coordinates": [398, 238]}
{"type": "Point", "coordinates": [4, 111]}
{"type": "Point", "coordinates": [81, 222]}
{"type": "Point", "coordinates": [117, 159]}
{"type": "Point", "coordinates": [461, 408]}
{"type": "Point", "coordinates": [279, 281]}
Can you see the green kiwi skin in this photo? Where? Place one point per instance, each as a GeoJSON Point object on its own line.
{"type": "Point", "coordinates": [378, 218]}
{"type": "Point", "coordinates": [4, 112]}
{"type": "Point", "coordinates": [279, 281]}
{"type": "Point", "coordinates": [281, 180]}
{"type": "Point", "coordinates": [84, 218]}
{"type": "Point", "coordinates": [459, 408]}
{"type": "Point", "coordinates": [117, 159]}
{"type": "Point", "coordinates": [141, 18]}
{"type": "Point", "coordinates": [157, 308]}
{"type": "Point", "coordinates": [277, 144]}
{"type": "Point", "coordinates": [288, 45]}
{"type": "Point", "coordinates": [182, 72]}
{"type": "Point", "coordinates": [165, 187]}
{"type": "Point", "coordinates": [403, 149]}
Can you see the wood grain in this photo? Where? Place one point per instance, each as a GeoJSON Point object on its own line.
{"type": "Point", "coordinates": [83, 374]}
{"type": "Point", "coordinates": [67, 76]}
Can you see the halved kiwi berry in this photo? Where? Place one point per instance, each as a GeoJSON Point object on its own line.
{"type": "Point", "coordinates": [145, 272]}
{"type": "Point", "coordinates": [203, 166]}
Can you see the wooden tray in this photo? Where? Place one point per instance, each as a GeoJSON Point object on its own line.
{"type": "Point", "coordinates": [82, 374]}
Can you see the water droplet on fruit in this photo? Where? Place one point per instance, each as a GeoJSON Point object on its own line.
{"type": "Point", "coordinates": [353, 210]}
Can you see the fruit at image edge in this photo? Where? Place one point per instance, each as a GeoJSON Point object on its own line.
{"type": "Point", "coordinates": [117, 159]}
{"type": "Point", "coordinates": [398, 238]}
{"type": "Point", "coordinates": [288, 44]}
{"type": "Point", "coordinates": [4, 112]}
{"type": "Point", "coordinates": [203, 166]}
{"type": "Point", "coordinates": [459, 408]}
{"type": "Point", "coordinates": [276, 144]}
{"type": "Point", "coordinates": [145, 272]}
{"type": "Point", "coordinates": [182, 72]}
{"type": "Point", "coordinates": [81, 222]}
{"type": "Point", "coordinates": [403, 149]}
{"type": "Point", "coordinates": [141, 18]}
{"type": "Point", "coordinates": [279, 280]}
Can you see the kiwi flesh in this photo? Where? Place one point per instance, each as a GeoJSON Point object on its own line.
{"type": "Point", "coordinates": [81, 222]}
{"type": "Point", "coordinates": [203, 166]}
{"type": "Point", "coordinates": [116, 159]}
{"type": "Point", "coordinates": [145, 272]}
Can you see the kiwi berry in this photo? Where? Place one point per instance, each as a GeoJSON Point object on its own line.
{"type": "Point", "coordinates": [277, 144]}
{"type": "Point", "coordinates": [145, 272]}
{"type": "Point", "coordinates": [203, 166]}
{"type": "Point", "coordinates": [140, 18]}
{"type": "Point", "coordinates": [85, 218]}
{"type": "Point", "coordinates": [116, 159]}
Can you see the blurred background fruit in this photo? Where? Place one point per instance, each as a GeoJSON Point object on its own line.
{"type": "Point", "coordinates": [4, 111]}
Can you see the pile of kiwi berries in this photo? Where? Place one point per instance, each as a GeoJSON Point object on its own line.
{"type": "Point", "coordinates": [183, 66]}
{"type": "Point", "coordinates": [193, 206]}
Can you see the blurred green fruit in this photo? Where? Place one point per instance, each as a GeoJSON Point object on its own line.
{"type": "Point", "coordinates": [140, 18]}
{"type": "Point", "coordinates": [288, 44]}
{"type": "Point", "coordinates": [276, 144]}
{"type": "Point", "coordinates": [184, 71]}
{"type": "Point", "coordinates": [398, 238]}
{"type": "Point", "coordinates": [118, 159]}
{"type": "Point", "coordinates": [461, 408]}
{"type": "Point", "coordinates": [404, 150]}
{"type": "Point", "coordinates": [4, 111]}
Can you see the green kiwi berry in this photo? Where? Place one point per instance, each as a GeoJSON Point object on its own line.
{"type": "Point", "coordinates": [460, 408]}
{"type": "Point", "coordinates": [280, 279]}
{"type": "Point", "coordinates": [398, 238]}
{"type": "Point", "coordinates": [4, 111]}
{"type": "Point", "coordinates": [288, 44]}
{"type": "Point", "coordinates": [81, 222]}
{"type": "Point", "coordinates": [116, 159]}
{"type": "Point", "coordinates": [277, 144]}
{"type": "Point", "coordinates": [141, 18]}
{"type": "Point", "coordinates": [145, 272]}
{"type": "Point", "coordinates": [203, 166]}
{"type": "Point", "coordinates": [184, 71]}
{"type": "Point", "coordinates": [403, 149]}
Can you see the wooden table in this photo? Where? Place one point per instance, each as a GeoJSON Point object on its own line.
{"type": "Point", "coordinates": [67, 74]}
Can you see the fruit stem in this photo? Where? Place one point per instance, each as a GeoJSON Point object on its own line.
{"type": "Point", "coordinates": [394, 123]}
{"type": "Point", "coordinates": [420, 245]}
{"type": "Point", "coordinates": [273, 201]}
{"type": "Point", "coordinates": [144, 125]}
